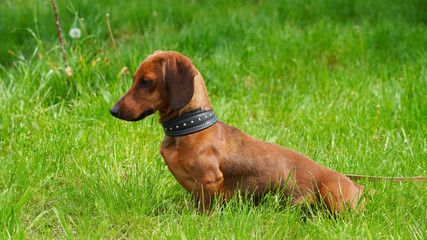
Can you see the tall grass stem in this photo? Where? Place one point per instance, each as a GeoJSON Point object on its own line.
{"type": "Point", "coordinates": [376, 120]}
{"type": "Point", "coordinates": [85, 30]}
{"type": "Point", "coordinates": [362, 48]}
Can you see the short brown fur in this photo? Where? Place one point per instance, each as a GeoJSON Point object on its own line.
{"type": "Point", "coordinates": [222, 159]}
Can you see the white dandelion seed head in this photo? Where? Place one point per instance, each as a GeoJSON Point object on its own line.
{"type": "Point", "coordinates": [75, 33]}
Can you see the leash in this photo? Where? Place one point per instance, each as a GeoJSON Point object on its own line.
{"type": "Point", "coordinates": [392, 179]}
{"type": "Point", "coordinates": [189, 123]}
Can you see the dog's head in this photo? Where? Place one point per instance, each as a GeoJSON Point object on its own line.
{"type": "Point", "coordinates": [163, 82]}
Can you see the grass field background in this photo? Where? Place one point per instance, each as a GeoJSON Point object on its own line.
{"type": "Point", "coordinates": [307, 75]}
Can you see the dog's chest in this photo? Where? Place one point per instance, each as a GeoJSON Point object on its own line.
{"type": "Point", "coordinates": [179, 166]}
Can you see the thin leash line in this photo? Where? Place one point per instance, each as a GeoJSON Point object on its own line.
{"type": "Point", "coordinates": [379, 178]}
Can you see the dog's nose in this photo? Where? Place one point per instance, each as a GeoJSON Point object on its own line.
{"type": "Point", "coordinates": [115, 111]}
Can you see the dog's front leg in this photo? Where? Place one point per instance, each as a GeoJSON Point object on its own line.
{"type": "Point", "coordinates": [208, 187]}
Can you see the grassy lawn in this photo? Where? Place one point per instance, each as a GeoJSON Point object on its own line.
{"type": "Point", "coordinates": [342, 82]}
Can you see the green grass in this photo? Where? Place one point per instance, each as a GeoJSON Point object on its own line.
{"type": "Point", "coordinates": [307, 75]}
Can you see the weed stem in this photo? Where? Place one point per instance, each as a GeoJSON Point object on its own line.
{"type": "Point", "coordinates": [112, 39]}
{"type": "Point", "coordinates": [59, 34]}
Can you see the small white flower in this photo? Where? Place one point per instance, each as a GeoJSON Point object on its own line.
{"type": "Point", "coordinates": [75, 33]}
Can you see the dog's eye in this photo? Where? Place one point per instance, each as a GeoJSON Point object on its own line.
{"type": "Point", "coordinates": [144, 83]}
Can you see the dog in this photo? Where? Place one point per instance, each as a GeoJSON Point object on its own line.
{"type": "Point", "coordinates": [210, 158]}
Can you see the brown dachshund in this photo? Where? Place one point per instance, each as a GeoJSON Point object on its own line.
{"type": "Point", "coordinates": [210, 158]}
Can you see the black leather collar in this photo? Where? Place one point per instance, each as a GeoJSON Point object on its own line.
{"type": "Point", "coordinates": [189, 123]}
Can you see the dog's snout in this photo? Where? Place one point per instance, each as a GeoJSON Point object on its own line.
{"type": "Point", "coordinates": [115, 111]}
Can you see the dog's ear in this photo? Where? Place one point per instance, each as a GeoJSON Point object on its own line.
{"type": "Point", "coordinates": [179, 82]}
{"type": "Point", "coordinates": [157, 51]}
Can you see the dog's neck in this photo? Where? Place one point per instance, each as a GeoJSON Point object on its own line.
{"type": "Point", "coordinates": [200, 100]}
